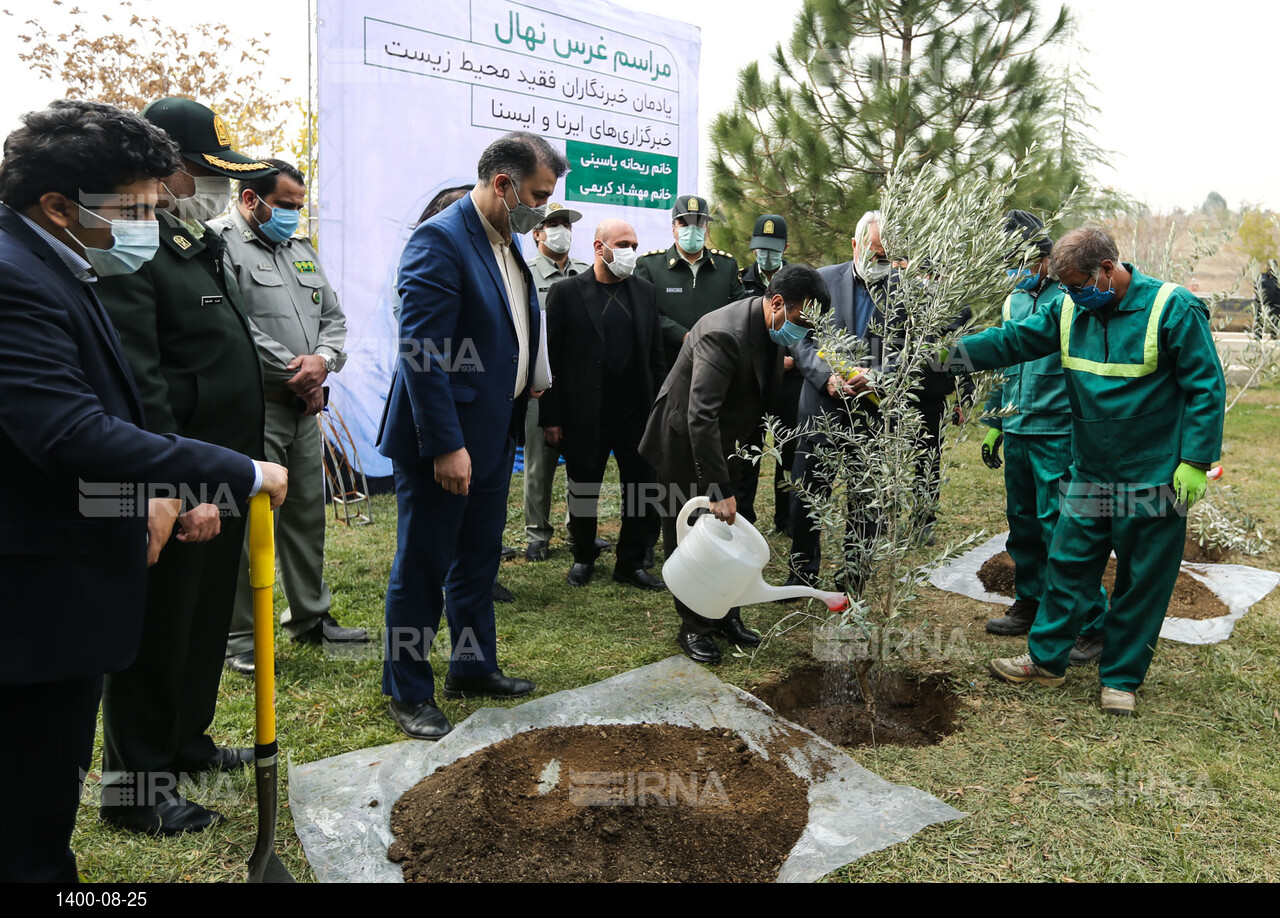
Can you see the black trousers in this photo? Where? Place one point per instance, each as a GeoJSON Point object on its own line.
{"type": "Point", "coordinates": [50, 729]}
{"type": "Point", "coordinates": [620, 434]}
{"type": "Point", "coordinates": [786, 407]}
{"type": "Point", "coordinates": [155, 713]}
{"type": "Point", "coordinates": [933, 409]}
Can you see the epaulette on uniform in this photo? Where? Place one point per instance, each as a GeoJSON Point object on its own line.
{"type": "Point", "coordinates": [654, 252]}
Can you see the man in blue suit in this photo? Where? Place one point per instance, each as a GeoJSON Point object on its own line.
{"type": "Point", "coordinates": [79, 187]}
{"type": "Point", "coordinates": [468, 339]}
{"type": "Point", "coordinates": [859, 290]}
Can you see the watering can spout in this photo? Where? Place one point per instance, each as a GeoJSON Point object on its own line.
{"type": "Point", "coordinates": [763, 592]}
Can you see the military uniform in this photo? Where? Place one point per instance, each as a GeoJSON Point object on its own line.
{"type": "Point", "coordinates": [182, 325]}
{"type": "Point", "coordinates": [540, 457]}
{"type": "Point", "coordinates": [1147, 392]}
{"type": "Point", "coordinates": [293, 312]}
{"type": "Point", "coordinates": [684, 294]}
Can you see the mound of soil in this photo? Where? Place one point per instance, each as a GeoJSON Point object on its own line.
{"type": "Point", "coordinates": [647, 802]}
{"type": "Point", "coordinates": [1191, 598]}
{"type": "Point", "coordinates": [828, 700]}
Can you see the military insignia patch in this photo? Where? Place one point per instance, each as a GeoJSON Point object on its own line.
{"type": "Point", "coordinates": [247, 234]}
{"type": "Point", "coordinates": [315, 297]}
{"type": "Point", "coordinates": [221, 132]}
{"type": "Point", "coordinates": [305, 267]}
{"type": "Point", "coordinates": [693, 205]}
{"type": "Point", "coordinates": [768, 227]}
{"type": "Point", "coordinates": [182, 242]}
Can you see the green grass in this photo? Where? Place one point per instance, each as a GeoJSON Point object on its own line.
{"type": "Point", "coordinates": [1188, 790]}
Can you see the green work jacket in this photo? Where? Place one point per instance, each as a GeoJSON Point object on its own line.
{"type": "Point", "coordinates": [184, 331]}
{"type": "Point", "coordinates": [684, 296]}
{"type": "Point", "coordinates": [1143, 379]}
{"type": "Point", "coordinates": [1036, 389]}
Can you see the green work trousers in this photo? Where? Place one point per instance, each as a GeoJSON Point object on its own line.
{"type": "Point", "coordinates": [1146, 529]}
{"type": "Point", "coordinates": [1034, 466]}
{"type": "Point", "coordinates": [293, 440]}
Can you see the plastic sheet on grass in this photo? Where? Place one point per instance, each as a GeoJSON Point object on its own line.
{"type": "Point", "coordinates": [341, 806]}
{"type": "Point", "coordinates": [1237, 585]}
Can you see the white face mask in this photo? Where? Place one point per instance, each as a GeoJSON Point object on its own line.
{"type": "Point", "coordinates": [558, 239]}
{"type": "Point", "coordinates": [624, 261]}
{"type": "Point", "coordinates": [212, 197]}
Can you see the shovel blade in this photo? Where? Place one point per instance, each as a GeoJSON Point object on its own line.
{"type": "Point", "coordinates": [264, 865]}
{"type": "Point", "coordinates": [268, 869]}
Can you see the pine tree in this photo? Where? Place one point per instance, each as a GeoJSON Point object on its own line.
{"type": "Point", "coordinates": [864, 86]}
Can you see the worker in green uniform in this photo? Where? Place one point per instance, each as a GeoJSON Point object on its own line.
{"type": "Point", "coordinates": [690, 278]}
{"type": "Point", "coordinates": [183, 326]}
{"type": "Point", "coordinates": [1037, 445]}
{"type": "Point", "coordinates": [1148, 400]}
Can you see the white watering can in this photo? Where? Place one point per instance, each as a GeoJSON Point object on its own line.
{"type": "Point", "coordinates": [717, 566]}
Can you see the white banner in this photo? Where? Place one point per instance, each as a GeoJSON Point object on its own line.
{"type": "Point", "coordinates": [410, 95]}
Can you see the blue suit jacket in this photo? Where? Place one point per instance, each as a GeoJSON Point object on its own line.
{"type": "Point", "coordinates": [73, 556]}
{"type": "Point", "coordinates": [454, 381]}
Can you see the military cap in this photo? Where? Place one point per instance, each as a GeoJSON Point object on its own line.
{"type": "Point", "coordinates": [770, 233]}
{"type": "Point", "coordinates": [691, 205]}
{"type": "Point", "coordinates": [1030, 229]}
{"type": "Point", "coordinates": [556, 209]}
{"type": "Point", "coordinates": [202, 137]}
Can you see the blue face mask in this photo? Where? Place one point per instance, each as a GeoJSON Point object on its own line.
{"type": "Point", "coordinates": [691, 238]}
{"type": "Point", "coordinates": [790, 334]}
{"type": "Point", "coordinates": [134, 243]}
{"type": "Point", "coordinates": [1091, 297]}
{"type": "Point", "coordinates": [282, 225]}
{"type": "Point", "coordinates": [1027, 280]}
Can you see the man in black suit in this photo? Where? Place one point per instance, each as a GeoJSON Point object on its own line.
{"type": "Point", "coordinates": [604, 342]}
{"type": "Point", "coordinates": [79, 186]}
{"type": "Point", "coordinates": [713, 400]}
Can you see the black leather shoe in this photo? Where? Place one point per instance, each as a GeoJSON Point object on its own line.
{"type": "Point", "coordinates": [502, 594]}
{"type": "Point", "coordinates": [700, 648]}
{"type": "Point", "coordinates": [172, 817]}
{"type": "Point", "coordinates": [580, 574]}
{"type": "Point", "coordinates": [422, 721]}
{"type": "Point", "coordinates": [603, 545]}
{"type": "Point", "coordinates": [537, 551]}
{"type": "Point", "coordinates": [328, 630]}
{"type": "Point", "coordinates": [242, 663]}
{"type": "Point", "coordinates": [639, 578]}
{"type": "Point", "coordinates": [492, 685]}
{"type": "Point", "coordinates": [1017, 620]}
{"type": "Point", "coordinates": [225, 758]}
{"type": "Point", "coordinates": [1086, 650]}
{"type": "Point", "coordinates": [508, 553]}
{"type": "Point", "coordinates": [731, 629]}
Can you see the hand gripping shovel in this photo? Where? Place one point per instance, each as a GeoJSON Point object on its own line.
{"type": "Point", "coordinates": [264, 865]}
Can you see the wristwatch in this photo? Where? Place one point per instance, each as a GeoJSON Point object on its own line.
{"type": "Point", "coordinates": [330, 363]}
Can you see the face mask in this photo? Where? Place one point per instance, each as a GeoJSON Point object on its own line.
{"type": "Point", "coordinates": [624, 261]}
{"type": "Point", "coordinates": [523, 218]}
{"type": "Point", "coordinates": [1026, 279]}
{"type": "Point", "coordinates": [874, 272]}
{"type": "Point", "coordinates": [134, 244]}
{"type": "Point", "coordinates": [768, 261]}
{"type": "Point", "coordinates": [281, 226]}
{"type": "Point", "coordinates": [1091, 297]}
{"type": "Point", "coordinates": [691, 238]}
{"type": "Point", "coordinates": [558, 239]}
{"type": "Point", "coordinates": [213, 194]}
{"type": "Point", "coordinates": [790, 334]}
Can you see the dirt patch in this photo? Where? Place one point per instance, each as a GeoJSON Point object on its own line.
{"type": "Point", "coordinates": [828, 700]}
{"type": "Point", "coordinates": [649, 802]}
{"type": "Point", "coordinates": [1191, 598]}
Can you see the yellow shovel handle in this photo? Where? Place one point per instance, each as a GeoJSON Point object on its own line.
{"type": "Point", "coordinates": [262, 577]}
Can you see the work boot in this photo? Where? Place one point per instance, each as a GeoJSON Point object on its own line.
{"type": "Point", "coordinates": [1018, 670]}
{"type": "Point", "coordinates": [1087, 650]}
{"type": "Point", "coordinates": [1118, 702]}
{"type": "Point", "coordinates": [1017, 620]}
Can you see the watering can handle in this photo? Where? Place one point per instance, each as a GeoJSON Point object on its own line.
{"type": "Point", "coordinates": [682, 521]}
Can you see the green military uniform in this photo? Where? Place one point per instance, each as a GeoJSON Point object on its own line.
{"type": "Point", "coordinates": [182, 325]}
{"type": "Point", "coordinates": [293, 312]}
{"type": "Point", "coordinates": [1147, 392]}
{"type": "Point", "coordinates": [688, 291]}
{"type": "Point", "coordinates": [1037, 450]}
